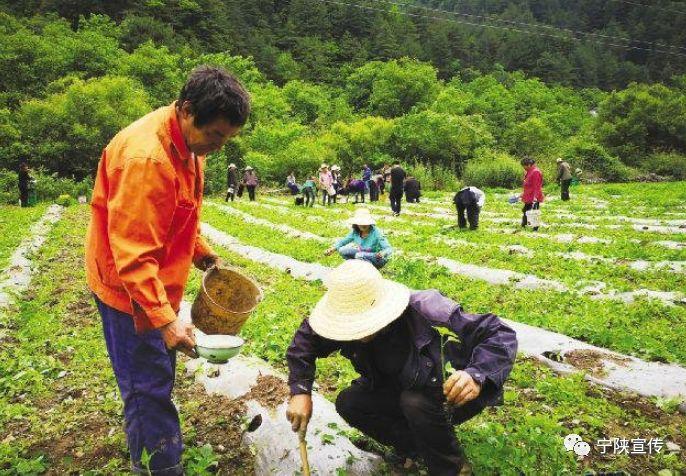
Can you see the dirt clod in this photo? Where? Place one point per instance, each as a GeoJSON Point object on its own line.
{"type": "Point", "coordinates": [269, 391]}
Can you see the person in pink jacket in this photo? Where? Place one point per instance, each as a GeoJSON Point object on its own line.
{"type": "Point", "coordinates": [532, 195]}
{"type": "Point", "coordinates": [325, 184]}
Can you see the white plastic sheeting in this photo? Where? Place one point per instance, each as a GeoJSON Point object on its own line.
{"type": "Point", "coordinates": [619, 371]}
{"type": "Point", "coordinates": [17, 275]}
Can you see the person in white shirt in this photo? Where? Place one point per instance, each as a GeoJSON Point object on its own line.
{"type": "Point", "coordinates": [470, 200]}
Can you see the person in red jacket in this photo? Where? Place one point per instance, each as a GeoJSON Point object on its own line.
{"type": "Point", "coordinates": [532, 195]}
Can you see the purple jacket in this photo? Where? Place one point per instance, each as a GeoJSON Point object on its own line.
{"type": "Point", "coordinates": [486, 351]}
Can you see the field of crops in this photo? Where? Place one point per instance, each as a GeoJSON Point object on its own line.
{"type": "Point", "coordinates": [593, 261]}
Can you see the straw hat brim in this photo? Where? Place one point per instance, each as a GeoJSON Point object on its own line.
{"type": "Point", "coordinates": [361, 221]}
{"type": "Point", "coordinates": [394, 300]}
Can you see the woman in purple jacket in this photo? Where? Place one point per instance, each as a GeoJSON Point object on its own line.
{"type": "Point", "coordinates": [392, 337]}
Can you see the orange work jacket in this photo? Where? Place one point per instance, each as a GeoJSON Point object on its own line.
{"type": "Point", "coordinates": [143, 234]}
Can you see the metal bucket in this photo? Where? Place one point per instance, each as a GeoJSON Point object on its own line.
{"type": "Point", "coordinates": [225, 301]}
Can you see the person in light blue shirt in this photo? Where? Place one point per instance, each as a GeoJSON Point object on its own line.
{"type": "Point", "coordinates": [365, 241]}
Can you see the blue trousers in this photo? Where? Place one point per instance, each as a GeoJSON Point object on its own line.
{"type": "Point", "coordinates": [351, 252]}
{"type": "Point", "coordinates": [144, 370]}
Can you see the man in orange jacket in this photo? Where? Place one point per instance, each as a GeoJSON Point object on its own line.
{"type": "Point", "coordinates": [142, 239]}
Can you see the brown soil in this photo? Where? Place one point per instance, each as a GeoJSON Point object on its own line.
{"type": "Point", "coordinates": [231, 290]}
{"type": "Point", "coordinates": [217, 421]}
{"type": "Point", "coordinates": [269, 391]}
{"type": "Point", "coordinates": [591, 360]}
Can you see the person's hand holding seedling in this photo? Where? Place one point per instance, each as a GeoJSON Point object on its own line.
{"type": "Point", "coordinates": [299, 412]}
{"type": "Point", "coordinates": [460, 388]}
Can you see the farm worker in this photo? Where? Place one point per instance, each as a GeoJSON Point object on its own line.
{"type": "Point", "coordinates": [398, 176]}
{"type": "Point", "coordinates": [532, 195]}
{"type": "Point", "coordinates": [308, 191]}
{"type": "Point", "coordinates": [365, 241]}
{"type": "Point", "coordinates": [24, 178]}
{"type": "Point", "coordinates": [326, 184]}
{"type": "Point", "coordinates": [292, 184]}
{"type": "Point", "coordinates": [336, 181]}
{"type": "Point", "coordinates": [366, 177]}
{"type": "Point", "coordinates": [413, 190]}
{"type": "Point", "coordinates": [564, 177]}
{"type": "Point", "coordinates": [356, 187]}
{"type": "Point", "coordinates": [471, 200]}
{"type": "Point", "coordinates": [231, 181]}
{"type": "Point", "coordinates": [250, 181]}
{"type": "Point", "coordinates": [392, 337]}
{"type": "Point", "coordinates": [142, 239]}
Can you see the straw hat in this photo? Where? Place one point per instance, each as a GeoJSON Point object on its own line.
{"type": "Point", "coordinates": [559, 159]}
{"type": "Point", "coordinates": [232, 165]}
{"type": "Point", "coordinates": [335, 167]}
{"type": "Point", "coordinates": [248, 168]}
{"type": "Point", "coordinates": [362, 216]}
{"type": "Point", "coordinates": [358, 302]}
{"type": "Point", "coordinates": [323, 166]}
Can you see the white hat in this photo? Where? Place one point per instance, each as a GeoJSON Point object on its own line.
{"type": "Point", "coordinates": [559, 159]}
{"type": "Point", "coordinates": [358, 302]}
{"type": "Point", "coordinates": [248, 168]}
{"type": "Point", "coordinates": [232, 165]}
{"type": "Point", "coordinates": [335, 167]}
{"type": "Point", "coordinates": [362, 216]}
{"type": "Point", "coordinates": [322, 166]}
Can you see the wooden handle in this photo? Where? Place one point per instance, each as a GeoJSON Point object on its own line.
{"type": "Point", "coordinates": [303, 455]}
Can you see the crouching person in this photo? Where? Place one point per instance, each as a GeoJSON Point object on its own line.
{"type": "Point", "coordinates": [365, 241]}
{"type": "Point", "coordinates": [391, 336]}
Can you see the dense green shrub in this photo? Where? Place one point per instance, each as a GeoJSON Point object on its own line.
{"type": "Point", "coordinates": [593, 157]}
{"type": "Point", "coordinates": [438, 138]}
{"type": "Point", "coordinates": [641, 120]}
{"type": "Point", "coordinates": [666, 164]}
{"type": "Point", "coordinates": [48, 187]}
{"type": "Point", "coordinates": [493, 169]}
{"type": "Point", "coordinates": [66, 132]}
{"type": "Point", "coordinates": [392, 88]}
{"type": "Point", "coordinates": [433, 177]}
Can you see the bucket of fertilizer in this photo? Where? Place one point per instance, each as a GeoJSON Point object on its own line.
{"type": "Point", "coordinates": [225, 301]}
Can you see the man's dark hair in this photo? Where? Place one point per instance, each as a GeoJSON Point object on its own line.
{"type": "Point", "coordinates": [212, 93]}
{"type": "Point", "coordinates": [527, 161]}
{"type": "Point", "coordinates": [397, 162]}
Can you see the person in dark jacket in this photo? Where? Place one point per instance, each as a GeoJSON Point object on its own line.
{"type": "Point", "coordinates": [413, 190]}
{"type": "Point", "coordinates": [24, 180]}
{"type": "Point", "coordinates": [232, 182]}
{"type": "Point", "coordinates": [471, 200]}
{"type": "Point", "coordinates": [393, 338]}
{"type": "Point", "coordinates": [250, 181]}
{"type": "Point", "coordinates": [397, 186]}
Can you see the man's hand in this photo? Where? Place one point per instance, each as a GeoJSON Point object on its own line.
{"type": "Point", "coordinates": [179, 335]}
{"type": "Point", "coordinates": [330, 251]}
{"type": "Point", "coordinates": [208, 262]}
{"type": "Point", "coordinates": [379, 255]}
{"type": "Point", "coordinates": [460, 388]}
{"type": "Point", "coordinates": [299, 412]}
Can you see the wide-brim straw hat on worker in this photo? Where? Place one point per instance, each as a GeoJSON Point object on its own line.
{"type": "Point", "coordinates": [362, 216]}
{"type": "Point", "coordinates": [358, 302]}
{"type": "Point", "coordinates": [232, 166]}
{"type": "Point", "coordinates": [248, 168]}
